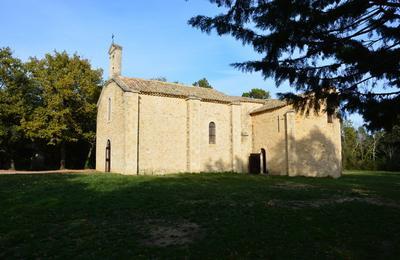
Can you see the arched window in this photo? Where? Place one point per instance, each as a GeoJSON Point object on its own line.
{"type": "Point", "coordinates": [109, 110]}
{"type": "Point", "coordinates": [211, 133]}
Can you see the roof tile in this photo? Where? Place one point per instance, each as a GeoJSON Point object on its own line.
{"type": "Point", "coordinates": [172, 89]}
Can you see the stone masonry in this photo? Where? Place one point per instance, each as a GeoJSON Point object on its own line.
{"type": "Point", "coordinates": [160, 128]}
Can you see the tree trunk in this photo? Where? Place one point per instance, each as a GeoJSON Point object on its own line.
{"type": "Point", "coordinates": [12, 165]}
{"type": "Point", "coordinates": [62, 161]}
{"type": "Point", "coordinates": [88, 156]}
{"type": "Point", "coordinates": [374, 149]}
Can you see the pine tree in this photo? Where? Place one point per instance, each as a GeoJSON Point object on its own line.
{"type": "Point", "coordinates": [257, 93]}
{"type": "Point", "coordinates": [203, 83]}
{"type": "Point", "coordinates": [337, 51]}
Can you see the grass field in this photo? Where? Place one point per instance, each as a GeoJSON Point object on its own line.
{"type": "Point", "coordinates": [200, 216]}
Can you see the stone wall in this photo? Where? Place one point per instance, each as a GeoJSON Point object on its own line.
{"type": "Point", "coordinates": [131, 117]}
{"type": "Point", "coordinates": [298, 144]}
{"type": "Point", "coordinates": [269, 132]}
{"type": "Point", "coordinates": [162, 135]}
{"type": "Point", "coordinates": [215, 157]}
{"type": "Point", "coordinates": [317, 150]}
{"type": "Point", "coordinates": [246, 134]}
{"type": "Point", "coordinates": [174, 136]}
{"type": "Point", "coordinates": [107, 129]}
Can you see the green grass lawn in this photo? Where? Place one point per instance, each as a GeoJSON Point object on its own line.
{"type": "Point", "coordinates": [200, 216]}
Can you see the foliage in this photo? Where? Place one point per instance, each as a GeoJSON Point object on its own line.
{"type": "Point", "coordinates": [17, 100]}
{"type": "Point", "coordinates": [238, 216]}
{"type": "Point", "coordinates": [339, 51]}
{"type": "Point", "coordinates": [368, 151]}
{"type": "Point", "coordinates": [389, 148]}
{"type": "Point", "coordinates": [69, 90]}
{"type": "Point", "coordinates": [162, 79]}
{"type": "Point", "coordinates": [51, 100]}
{"type": "Point", "coordinates": [203, 83]}
{"type": "Point", "coordinates": [257, 93]}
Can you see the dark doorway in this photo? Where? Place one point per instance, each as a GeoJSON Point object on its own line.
{"type": "Point", "coordinates": [254, 163]}
{"type": "Point", "coordinates": [264, 161]}
{"type": "Point", "coordinates": [108, 156]}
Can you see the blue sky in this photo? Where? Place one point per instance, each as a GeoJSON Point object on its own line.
{"type": "Point", "coordinates": [155, 35]}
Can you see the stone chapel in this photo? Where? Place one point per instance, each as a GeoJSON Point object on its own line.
{"type": "Point", "coordinates": [153, 127]}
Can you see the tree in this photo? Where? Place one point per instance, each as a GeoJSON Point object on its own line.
{"type": "Point", "coordinates": [203, 83]}
{"type": "Point", "coordinates": [69, 89]}
{"type": "Point", "coordinates": [389, 149]}
{"type": "Point", "coordinates": [257, 93]}
{"type": "Point", "coordinates": [162, 79]}
{"type": "Point", "coordinates": [349, 144]}
{"type": "Point", "coordinates": [363, 150]}
{"type": "Point", "coordinates": [17, 100]}
{"type": "Point", "coordinates": [337, 51]}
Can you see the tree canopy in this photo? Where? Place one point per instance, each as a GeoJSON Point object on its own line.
{"type": "Point", "coordinates": [17, 100]}
{"type": "Point", "coordinates": [47, 104]}
{"type": "Point", "coordinates": [203, 83]}
{"type": "Point", "coordinates": [160, 78]}
{"type": "Point", "coordinates": [69, 89]}
{"type": "Point", "coordinates": [257, 93]}
{"type": "Point", "coordinates": [343, 52]}
{"type": "Point", "coordinates": [363, 150]}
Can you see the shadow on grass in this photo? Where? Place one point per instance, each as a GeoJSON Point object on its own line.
{"type": "Point", "coordinates": [204, 215]}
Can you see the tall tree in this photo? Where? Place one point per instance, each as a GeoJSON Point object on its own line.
{"type": "Point", "coordinates": [17, 100]}
{"type": "Point", "coordinates": [257, 93]}
{"type": "Point", "coordinates": [203, 83]}
{"type": "Point", "coordinates": [389, 149]}
{"type": "Point", "coordinates": [349, 146]}
{"type": "Point", "coordinates": [364, 150]}
{"type": "Point", "coordinates": [338, 51]}
{"type": "Point", "coordinates": [69, 89]}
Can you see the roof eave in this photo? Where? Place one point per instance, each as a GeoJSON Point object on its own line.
{"type": "Point", "coordinates": [120, 84]}
{"type": "Point", "coordinates": [256, 111]}
{"type": "Point", "coordinates": [114, 46]}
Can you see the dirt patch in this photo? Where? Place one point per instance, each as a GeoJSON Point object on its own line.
{"type": "Point", "coordinates": [387, 248]}
{"type": "Point", "coordinates": [287, 185]}
{"type": "Point", "coordinates": [162, 234]}
{"type": "Point", "coordinates": [299, 204]}
{"type": "Point", "coordinates": [47, 172]}
{"type": "Point", "coordinates": [361, 192]}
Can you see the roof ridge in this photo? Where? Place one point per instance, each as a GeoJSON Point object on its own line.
{"type": "Point", "coordinates": [254, 99]}
{"type": "Point", "coordinates": [189, 87]}
{"type": "Point", "coordinates": [168, 83]}
{"type": "Point", "coordinates": [177, 89]}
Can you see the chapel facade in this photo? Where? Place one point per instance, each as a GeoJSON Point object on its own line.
{"type": "Point", "coordinates": [153, 127]}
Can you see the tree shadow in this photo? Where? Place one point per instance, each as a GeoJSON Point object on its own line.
{"type": "Point", "coordinates": [222, 166]}
{"type": "Point", "coordinates": [314, 155]}
{"type": "Point", "coordinates": [109, 215]}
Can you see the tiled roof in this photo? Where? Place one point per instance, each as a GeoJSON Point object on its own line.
{"type": "Point", "coordinates": [271, 104]}
{"type": "Point", "coordinates": [172, 89]}
{"type": "Point", "coordinates": [114, 46]}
